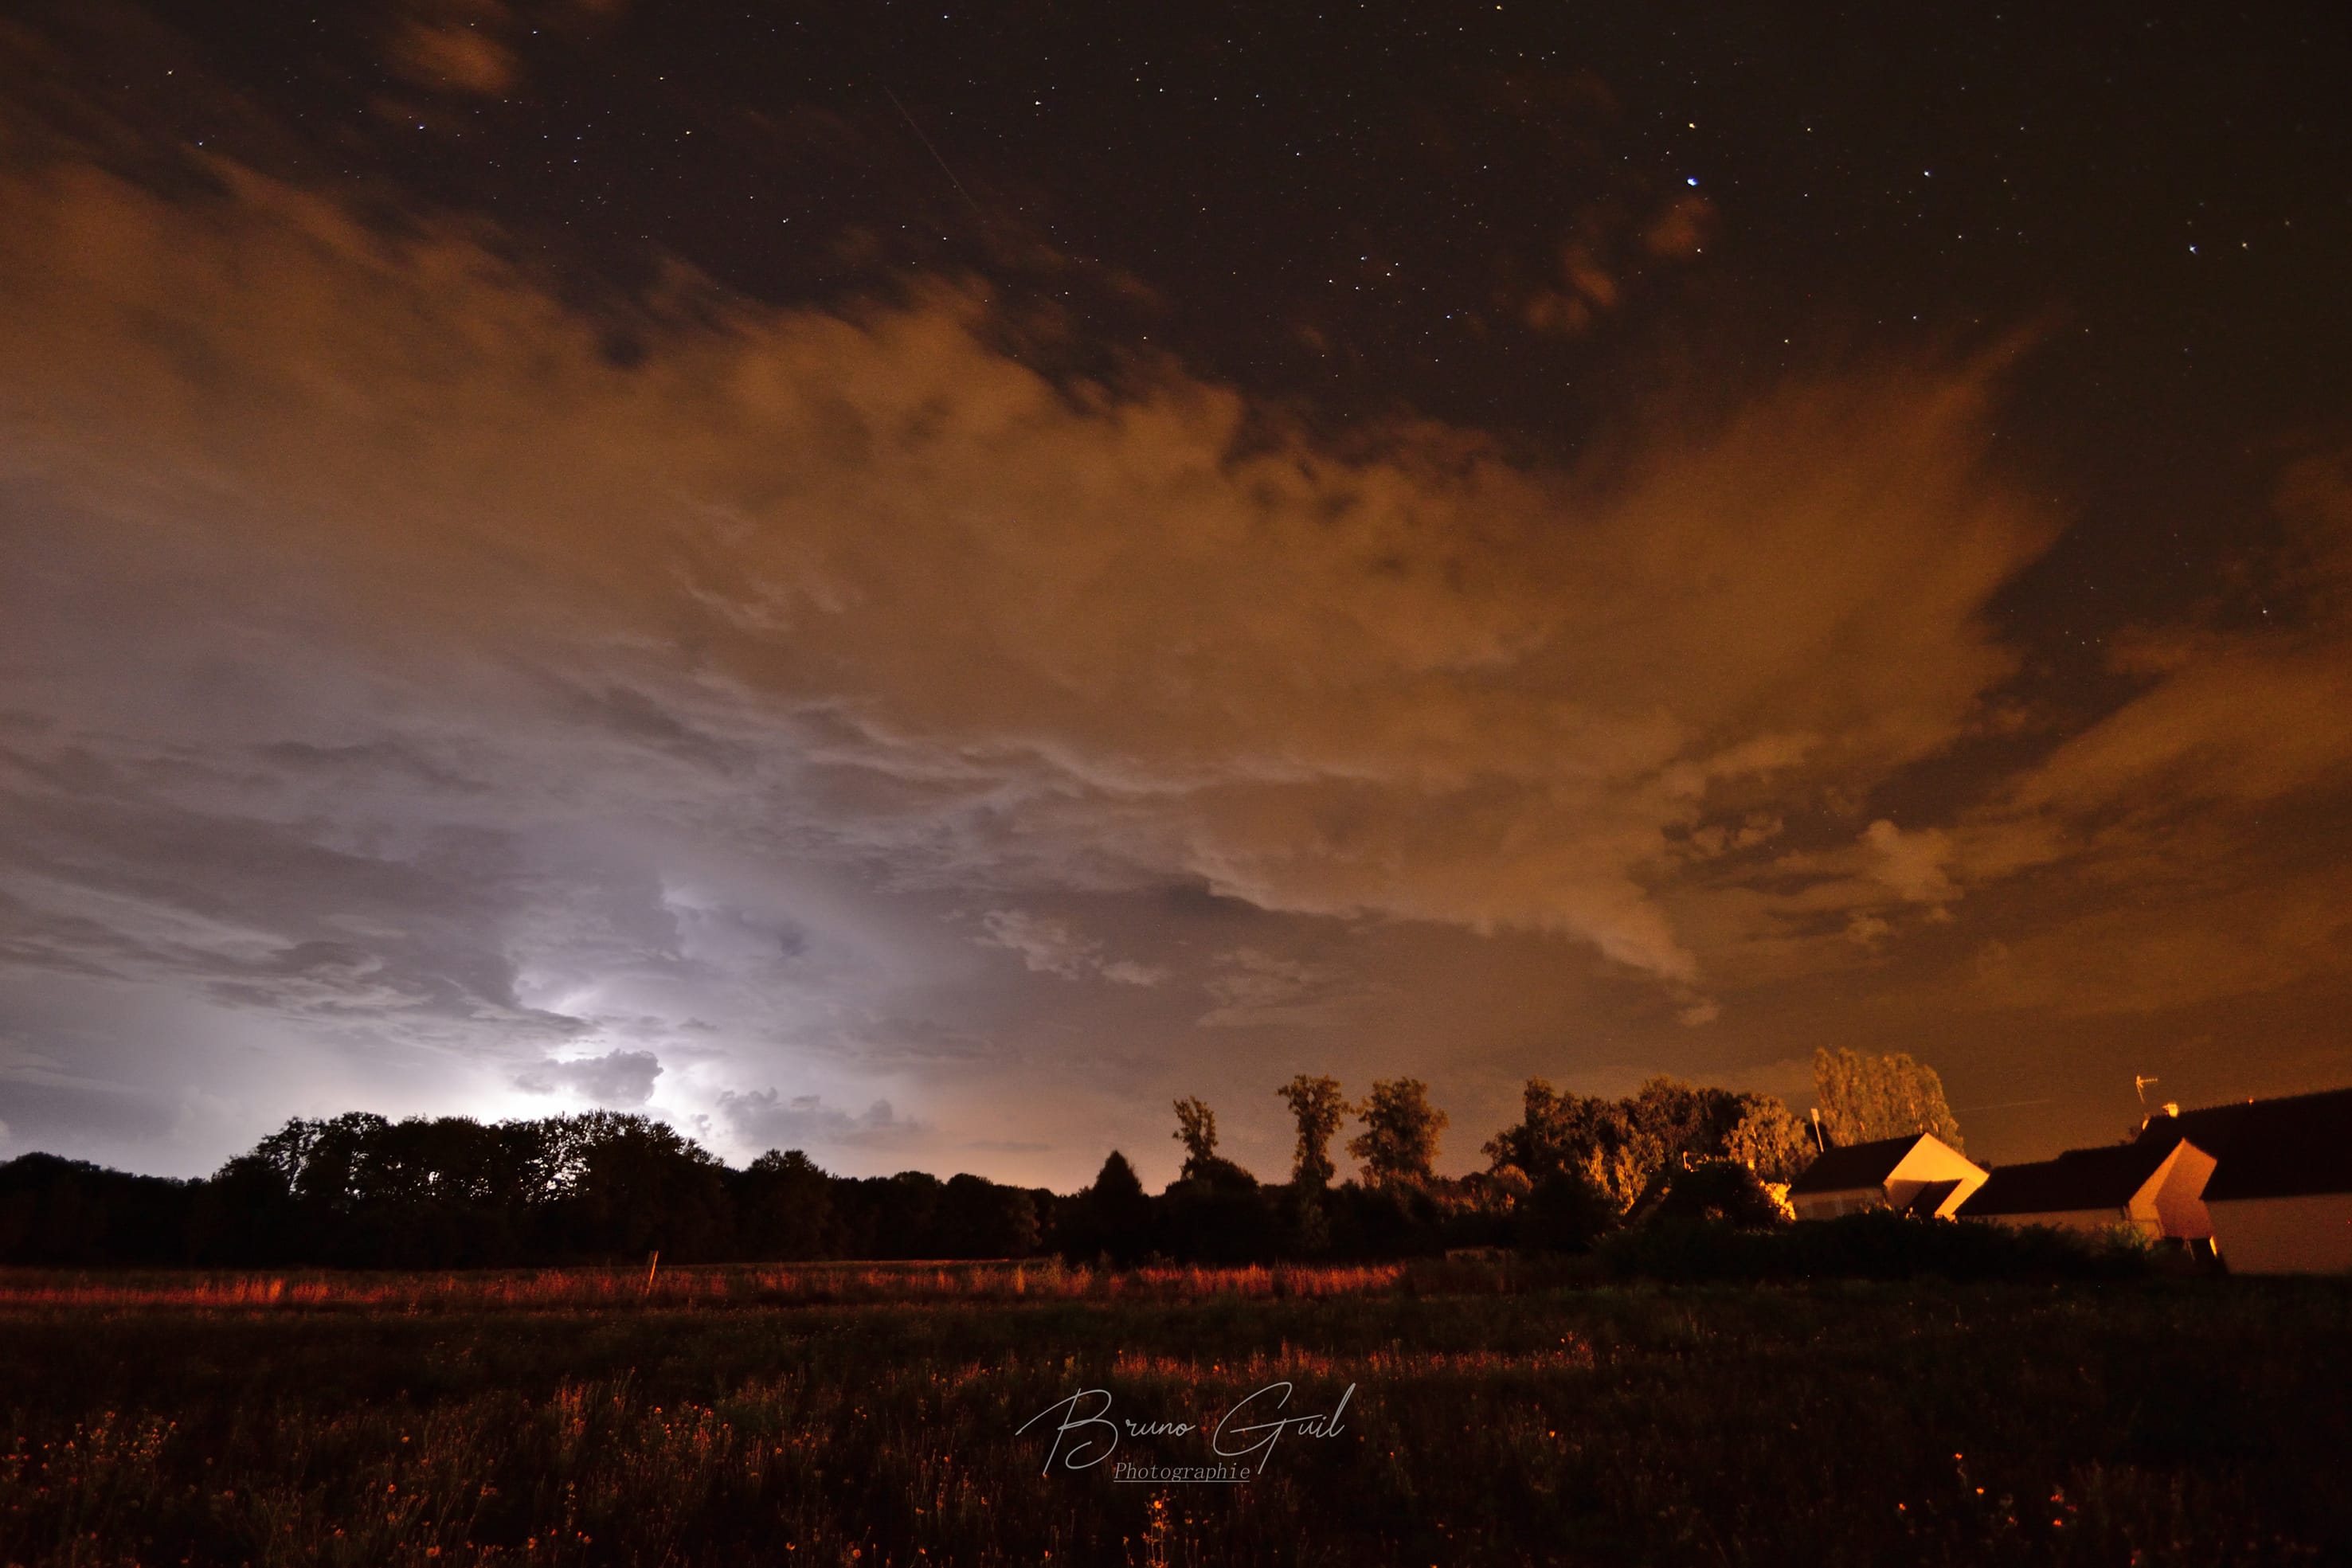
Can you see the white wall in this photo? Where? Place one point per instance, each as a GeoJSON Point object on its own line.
{"type": "Point", "coordinates": [2285, 1235]}
{"type": "Point", "coordinates": [2177, 1204]}
{"type": "Point", "coordinates": [1830, 1205]}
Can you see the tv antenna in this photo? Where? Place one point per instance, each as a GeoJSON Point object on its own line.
{"type": "Point", "coordinates": [2139, 1087]}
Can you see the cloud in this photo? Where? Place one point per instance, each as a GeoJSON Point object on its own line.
{"type": "Point", "coordinates": [764, 1118]}
{"type": "Point", "coordinates": [1911, 864]}
{"type": "Point", "coordinates": [455, 45]}
{"type": "Point", "coordinates": [1864, 929]}
{"type": "Point", "coordinates": [1000, 632]}
{"type": "Point", "coordinates": [470, 47]}
{"type": "Point", "coordinates": [616, 1078]}
{"type": "Point", "coordinates": [1048, 946]}
{"type": "Point", "coordinates": [1253, 987]}
{"type": "Point", "coordinates": [1680, 227]}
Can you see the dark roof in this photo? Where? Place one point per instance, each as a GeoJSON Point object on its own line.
{"type": "Point", "coordinates": [2079, 1178]}
{"type": "Point", "coordinates": [2287, 1147]}
{"type": "Point", "coordinates": [1856, 1164]}
{"type": "Point", "coordinates": [1930, 1197]}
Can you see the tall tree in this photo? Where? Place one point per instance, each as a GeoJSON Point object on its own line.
{"type": "Point", "coordinates": [1398, 1143]}
{"type": "Point", "coordinates": [1196, 1129]}
{"type": "Point", "coordinates": [1864, 1098]}
{"type": "Point", "coordinates": [1317, 1106]}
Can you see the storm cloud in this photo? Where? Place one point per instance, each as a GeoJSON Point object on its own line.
{"type": "Point", "coordinates": [387, 657]}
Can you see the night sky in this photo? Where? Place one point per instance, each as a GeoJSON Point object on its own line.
{"type": "Point", "coordinates": [914, 582]}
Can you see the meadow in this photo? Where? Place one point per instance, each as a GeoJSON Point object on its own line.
{"type": "Point", "coordinates": [1504, 1411]}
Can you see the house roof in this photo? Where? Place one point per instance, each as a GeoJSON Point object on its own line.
{"type": "Point", "coordinates": [2288, 1148]}
{"type": "Point", "coordinates": [2079, 1178]}
{"type": "Point", "coordinates": [1930, 1197]}
{"type": "Point", "coordinates": [1855, 1166]}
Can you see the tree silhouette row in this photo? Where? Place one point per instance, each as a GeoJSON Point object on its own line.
{"type": "Point", "coordinates": [358, 1190]}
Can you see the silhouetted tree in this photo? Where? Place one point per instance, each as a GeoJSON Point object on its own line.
{"type": "Point", "coordinates": [631, 1184]}
{"type": "Point", "coordinates": [783, 1206]}
{"type": "Point", "coordinates": [361, 1191]}
{"type": "Point", "coordinates": [1398, 1143]}
{"type": "Point", "coordinates": [1215, 1210]}
{"type": "Point", "coordinates": [1564, 1211]}
{"type": "Point", "coordinates": [55, 1210]}
{"type": "Point", "coordinates": [1112, 1217]}
{"type": "Point", "coordinates": [1720, 1191]}
{"type": "Point", "coordinates": [978, 1219]}
{"type": "Point", "coordinates": [1196, 1129]}
{"type": "Point", "coordinates": [891, 1217]}
{"type": "Point", "coordinates": [1317, 1106]}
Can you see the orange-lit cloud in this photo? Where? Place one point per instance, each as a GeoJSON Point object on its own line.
{"type": "Point", "coordinates": [1427, 685]}
{"type": "Point", "coordinates": [455, 45]}
{"type": "Point", "coordinates": [402, 647]}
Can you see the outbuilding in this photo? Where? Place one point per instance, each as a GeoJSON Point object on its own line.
{"type": "Point", "coordinates": [1919, 1173]}
{"type": "Point", "coordinates": [2154, 1183]}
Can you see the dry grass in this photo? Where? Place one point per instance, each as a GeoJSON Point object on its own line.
{"type": "Point", "coordinates": [867, 1415]}
{"type": "Point", "coordinates": [732, 1285]}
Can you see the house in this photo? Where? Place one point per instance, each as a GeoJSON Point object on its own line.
{"type": "Point", "coordinates": [2156, 1182]}
{"type": "Point", "coordinates": [1918, 1174]}
{"type": "Point", "coordinates": [2281, 1194]}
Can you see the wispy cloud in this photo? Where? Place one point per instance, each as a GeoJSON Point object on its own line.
{"type": "Point", "coordinates": [1049, 946]}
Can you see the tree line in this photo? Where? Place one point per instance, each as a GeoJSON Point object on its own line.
{"type": "Point", "coordinates": [359, 1190]}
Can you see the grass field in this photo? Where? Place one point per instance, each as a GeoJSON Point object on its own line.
{"type": "Point", "coordinates": [867, 1415]}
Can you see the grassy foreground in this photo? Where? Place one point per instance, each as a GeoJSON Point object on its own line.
{"type": "Point", "coordinates": [868, 1415]}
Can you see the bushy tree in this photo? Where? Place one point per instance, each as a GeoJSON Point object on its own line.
{"type": "Point", "coordinates": [979, 1219]}
{"type": "Point", "coordinates": [1616, 1148]}
{"type": "Point", "coordinates": [55, 1210]}
{"type": "Point", "coordinates": [1864, 1098]}
{"type": "Point", "coordinates": [1398, 1143]}
{"type": "Point", "coordinates": [1769, 1140]}
{"type": "Point", "coordinates": [633, 1185]}
{"type": "Point", "coordinates": [1564, 1211]}
{"type": "Point", "coordinates": [1721, 1191]}
{"type": "Point", "coordinates": [784, 1206]}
